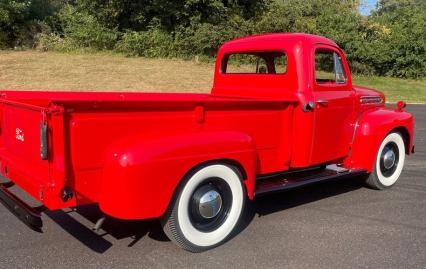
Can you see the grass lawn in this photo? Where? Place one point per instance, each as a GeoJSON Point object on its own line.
{"type": "Point", "coordinates": [411, 91]}
{"type": "Point", "coordinates": [32, 70]}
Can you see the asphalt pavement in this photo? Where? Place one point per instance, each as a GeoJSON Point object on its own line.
{"type": "Point", "coordinates": [338, 224]}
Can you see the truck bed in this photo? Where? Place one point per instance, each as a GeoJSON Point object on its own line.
{"type": "Point", "coordinates": [84, 128]}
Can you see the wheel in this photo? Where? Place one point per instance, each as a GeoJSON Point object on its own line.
{"type": "Point", "coordinates": [389, 162]}
{"type": "Point", "coordinates": [206, 208]}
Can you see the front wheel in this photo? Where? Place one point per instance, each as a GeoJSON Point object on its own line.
{"type": "Point", "coordinates": [206, 208]}
{"type": "Point", "coordinates": [389, 162]}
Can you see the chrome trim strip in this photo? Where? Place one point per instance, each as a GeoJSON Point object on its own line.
{"type": "Point", "coordinates": [354, 133]}
{"type": "Point", "coordinates": [365, 100]}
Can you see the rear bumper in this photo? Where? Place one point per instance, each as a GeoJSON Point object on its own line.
{"type": "Point", "coordinates": [27, 214]}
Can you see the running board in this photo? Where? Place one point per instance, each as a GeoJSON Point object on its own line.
{"type": "Point", "coordinates": [290, 180]}
{"type": "Point", "coordinates": [27, 214]}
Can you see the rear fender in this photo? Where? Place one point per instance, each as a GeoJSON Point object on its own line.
{"type": "Point", "coordinates": [141, 174]}
{"type": "Point", "coordinates": [372, 127]}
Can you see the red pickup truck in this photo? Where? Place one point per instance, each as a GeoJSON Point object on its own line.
{"type": "Point", "coordinates": [282, 113]}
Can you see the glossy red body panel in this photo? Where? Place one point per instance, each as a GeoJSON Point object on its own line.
{"type": "Point", "coordinates": [136, 162]}
{"type": "Point", "coordinates": [372, 127]}
{"type": "Point", "coordinates": [333, 126]}
{"type": "Point", "coordinates": [20, 156]}
{"type": "Point", "coordinates": [129, 152]}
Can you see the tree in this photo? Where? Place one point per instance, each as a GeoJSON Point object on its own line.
{"type": "Point", "coordinates": [13, 16]}
{"type": "Point", "coordinates": [401, 48]}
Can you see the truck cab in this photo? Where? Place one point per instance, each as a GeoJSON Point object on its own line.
{"type": "Point", "coordinates": [311, 69]}
{"type": "Point", "coordinates": [282, 113]}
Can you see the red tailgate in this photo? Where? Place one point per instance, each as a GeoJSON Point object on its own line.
{"type": "Point", "coordinates": [32, 151]}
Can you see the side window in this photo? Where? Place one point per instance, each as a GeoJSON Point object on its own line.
{"type": "Point", "coordinates": [255, 63]}
{"type": "Point", "coordinates": [329, 67]}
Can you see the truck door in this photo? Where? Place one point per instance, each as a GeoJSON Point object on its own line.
{"type": "Point", "coordinates": [334, 105]}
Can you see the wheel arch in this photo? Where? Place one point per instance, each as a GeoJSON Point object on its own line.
{"type": "Point", "coordinates": [227, 161]}
{"type": "Point", "coordinates": [372, 127]}
{"type": "Point", "coordinates": [141, 176]}
{"type": "Point", "coordinates": [405, 136]}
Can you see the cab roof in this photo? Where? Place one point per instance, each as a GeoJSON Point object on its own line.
{"type": "Point", "coordinates": [276, 39]}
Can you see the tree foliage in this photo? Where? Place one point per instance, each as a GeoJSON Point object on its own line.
{"type": "Point", "coordinates": [390, 42]}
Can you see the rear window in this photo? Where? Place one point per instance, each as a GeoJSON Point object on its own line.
{"type": "Point", "coordinates": [255, 63]}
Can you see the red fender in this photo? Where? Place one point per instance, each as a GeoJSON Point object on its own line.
{"type": "Point", "coordinates": [371, 128]}
{"type": "Point", "coordinates": [141, 175]}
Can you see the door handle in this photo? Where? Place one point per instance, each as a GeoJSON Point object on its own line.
{"type": "Point", "coordinates": [309, 106]}
{"type": "Point", "coordinates": [322, 102]}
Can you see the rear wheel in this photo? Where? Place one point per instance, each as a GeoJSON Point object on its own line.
{"type": "Point", "coordinates": [389, 162]}
{"type": "Point", "coordinates": [206, 209]}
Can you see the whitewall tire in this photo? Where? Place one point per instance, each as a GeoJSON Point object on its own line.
{"type": "Point", "coordinates": [389, 162]}
{"type": "Point", "coordinates": [206, 209]}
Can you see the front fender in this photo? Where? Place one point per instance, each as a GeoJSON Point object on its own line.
{"type": "Point", "coordinates": [372, 127]}
{"type": "Point", "coordinates": [141, 174]}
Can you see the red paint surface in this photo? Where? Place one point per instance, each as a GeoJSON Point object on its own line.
{"type": "Point", "coordinates": [129, 151]}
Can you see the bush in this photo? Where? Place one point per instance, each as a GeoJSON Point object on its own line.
{"type": "Point", "coordinates": [83, 30]}
{"type": "Point", "coordinates": [151, 43]}
{"type": "Point", "coordinates": [361, 68]}
{"type": "Point", "coordinates": [205, 38]}
{"type": "Point", "coordinates": [401, 50]}
{"type": "Point", "coordinates": [50, 42]}
{"type": "Point", "coordinates": [3, 40]}
{"type": "Point", "coordinates": [13, 21]}
{"type": "Point", "coordinates": [22, 21]}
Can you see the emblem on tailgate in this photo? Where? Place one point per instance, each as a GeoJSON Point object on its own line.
{"type": "Point", "coordinates": [19, 135]}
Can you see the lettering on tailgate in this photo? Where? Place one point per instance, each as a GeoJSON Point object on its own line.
{"type": "Point", "coordinates": [19, 135]}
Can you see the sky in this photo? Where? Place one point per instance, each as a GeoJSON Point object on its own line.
{"type": "Point", "coordinates": [367, 6]}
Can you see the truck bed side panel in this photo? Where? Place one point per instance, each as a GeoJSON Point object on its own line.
{"type": "Point", "coordinates": [92, 132]}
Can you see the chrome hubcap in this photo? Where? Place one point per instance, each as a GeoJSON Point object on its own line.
{"type": "Point", "coordinates": [389, 159]}
{"type": "Point", "coordinates": [210, 204]}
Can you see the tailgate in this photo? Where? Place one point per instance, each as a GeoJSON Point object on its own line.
{"type": "Point", "coordinates": [32, 151]}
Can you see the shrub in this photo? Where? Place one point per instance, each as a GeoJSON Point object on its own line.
{"type": "Point", "coordinates": [206, 38]}
{"type": "Point", "coordinates": [399, 49]}
{"type": "Point", "coordinates": [13, 21]}
{"type": "Point", "coordinates": [49, 42]}
{"type": "Point", "coordinates": [151, 43]}
{"type": "Point", "coordinates": [84, 30]}
{"type": "Point", "coordinates": [22, 21]}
